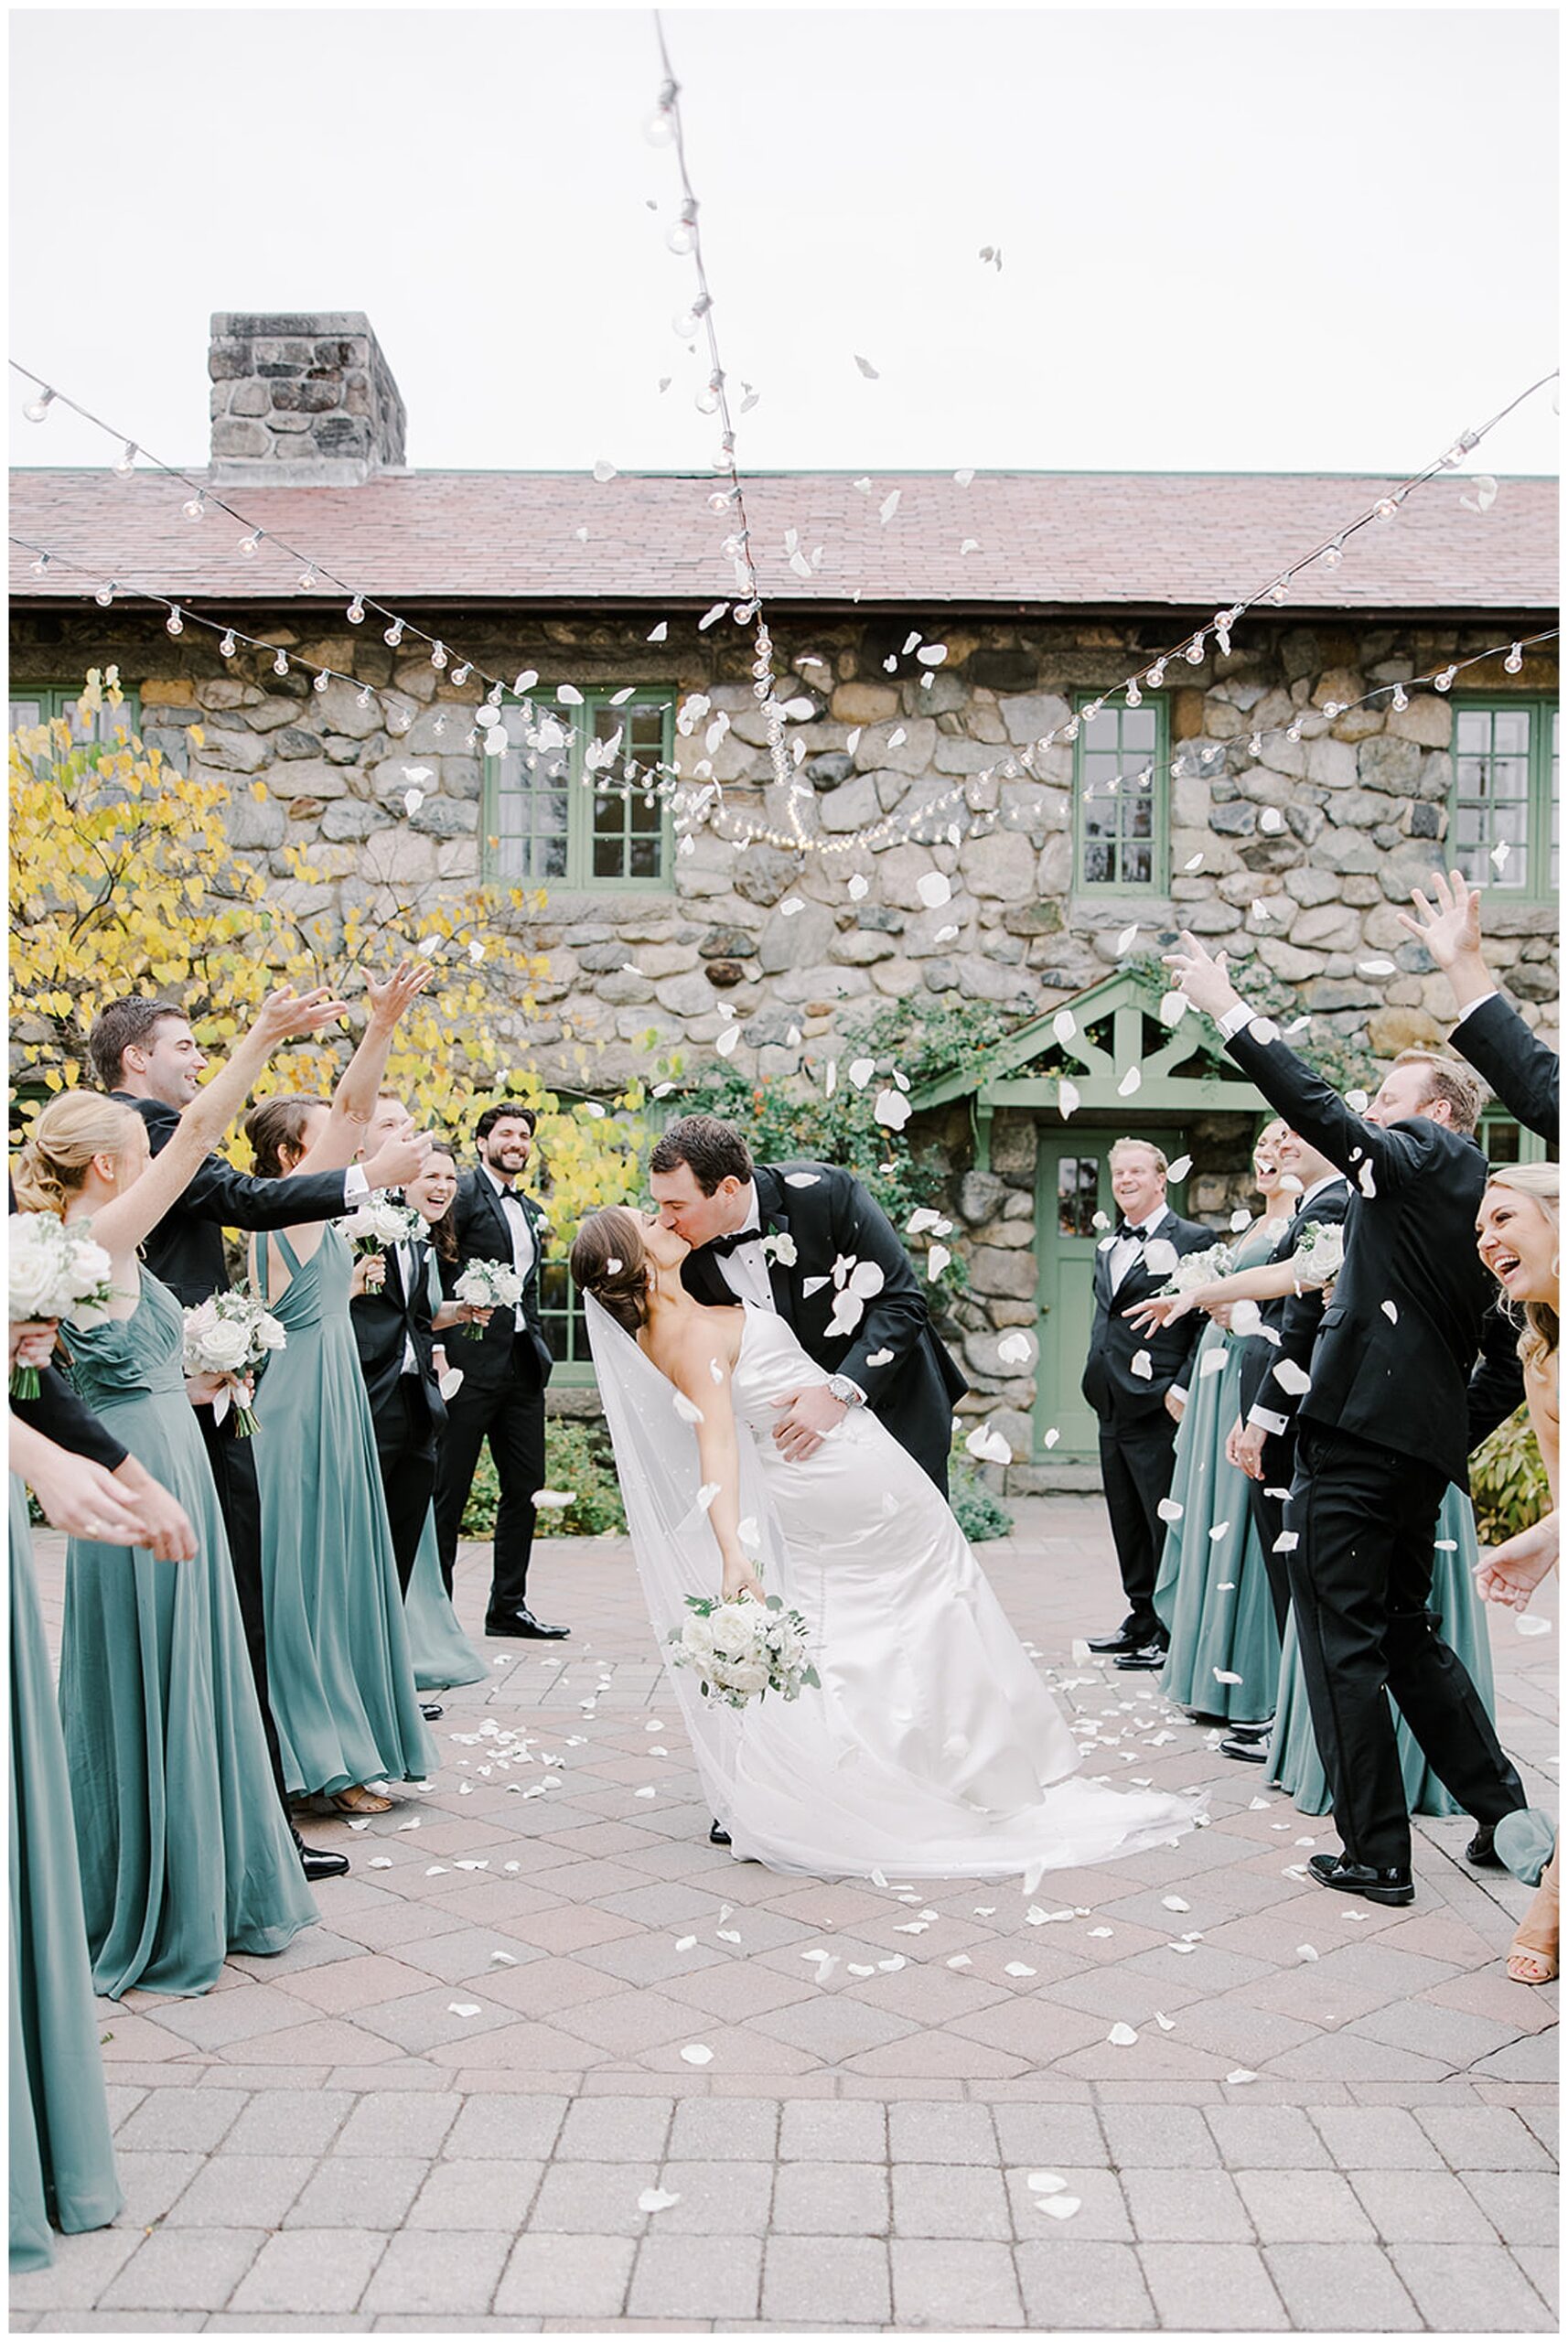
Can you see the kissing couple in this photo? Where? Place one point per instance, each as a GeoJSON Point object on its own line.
{"type": "Point", "coordinates": [782, 1412]}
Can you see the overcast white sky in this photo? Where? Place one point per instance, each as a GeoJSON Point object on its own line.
{"type": "Point", "coordinates": [1243, 240]}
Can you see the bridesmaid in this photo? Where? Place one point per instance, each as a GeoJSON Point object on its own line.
{"type": "Point", "coordinates": [1212, 1592]}
{"type": "Point", "coordinates": [340, 1672]}
{"type": "Point", "coordinates": [443, 1654]}
{"type": "Point", "coordinates": [185, 1854]}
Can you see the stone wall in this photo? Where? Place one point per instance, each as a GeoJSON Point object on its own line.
{"type": "Point", "coordinates": [1360, 818]}
{"type": "Point", "coordinates": [301, 400]}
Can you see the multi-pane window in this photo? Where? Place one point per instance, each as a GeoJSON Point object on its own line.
{"type": "Point", "coordinates": [1119, 793]}
{"type": "Point", "coordinates": [1502, 816]}
{"type": "Point", "coordinates": [576, 797]}
{"type": "Point", "coordinates": [43, 704]}
{"type": "Point", "coordinates": [1077, 1194]}
{"type": "Point", "coordinates": [565, 1330]}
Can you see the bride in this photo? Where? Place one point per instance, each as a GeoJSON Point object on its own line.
{"type": "Point", "coordinates": [930, 1748]}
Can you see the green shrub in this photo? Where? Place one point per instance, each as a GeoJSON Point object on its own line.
{"type": "Point", "coordinates": [979, 1511]}
{"type": "Point", "coordinates": [576, 1456]}
{"type": "Point", "coordinates": [1508, 1481]}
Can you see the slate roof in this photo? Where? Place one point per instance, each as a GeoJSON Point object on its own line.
{"type": "Point", "coordinates": [1045, 539]}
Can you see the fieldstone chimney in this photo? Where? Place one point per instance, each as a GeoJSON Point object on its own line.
{"type": "Point", "coordinates": [301, 401]}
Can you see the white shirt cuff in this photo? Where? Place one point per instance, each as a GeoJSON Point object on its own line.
{"type": "Point", "coordinates": [1179, 1391]}
{"type": "Point", "coordinates": [1236, 1020]}
{"type": "Point", "coordinates": [1469, 1004]}
{"type": "Point", "coordinates": [1278, 1424]}
{"type": "Point", "coordinates": [355, 1184]}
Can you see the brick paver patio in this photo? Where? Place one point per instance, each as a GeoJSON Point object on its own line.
{"type": "Point", "coordinates": [552, 2062]}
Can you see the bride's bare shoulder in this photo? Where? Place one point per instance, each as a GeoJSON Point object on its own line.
{"type": "Point", "coordinates": [687, 1346]}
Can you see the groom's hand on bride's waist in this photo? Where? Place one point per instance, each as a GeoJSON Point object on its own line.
{"type": "Point", "coordinates": [808, 1415]}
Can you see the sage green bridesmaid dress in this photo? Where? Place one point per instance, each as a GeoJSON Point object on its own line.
{"type": "Point", "coordinates": [338, 1668]}
{"type": "Point", "coordinates": [184, 1851]}
{"type": "Point", "coordinates": [443, 1654]}
{"type": "Point", "coordinates": [1212, 1591]}
{"type": "Point", "coordinates": [1293, 1762]}
{"type": "Point", "coordinates": [62, 2163]}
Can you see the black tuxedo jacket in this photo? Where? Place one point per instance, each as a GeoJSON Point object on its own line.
{"type": "Point", "coordinates": [1118, 1395]}
{"type": "Point", "coordinates": [1523, 1071]}
{"type": "Point", "coordinates": [910, 1380]}
{"type": "Point", "coordinates": [68, 1420]}
{"type": "Point", "coordinates": [1294, 1316]}
{"type": "Point", "coordinates": [186, 1248]}
{"type": "Point", "coordinates": [383, 1324]}
{"type": "Point", "coordinates": [1400, 1338]}
{"type": "Point", "coordinates": [483, 1234]}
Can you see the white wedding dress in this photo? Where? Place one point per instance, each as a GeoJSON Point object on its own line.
{"type": "Point", "coordinates": [931, 1749]}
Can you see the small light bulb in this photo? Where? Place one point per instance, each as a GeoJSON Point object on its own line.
{"type": "Point", "coordinates": [1385, 508]}
{"type": "Point", "coordinates": [174, 624]}
{"type": "Point", "coordinates": [126, 464]}
{"type": "Point", "coordinates": [1195, 651]}
{"type": "Point", "coordinates": [307, 578]}
{"type": "Point", "coordinates": [1295, 732]}
{"type": "Point", "coordinates": [682, 236]}
{"type": "Point", "coordinates": [37, 409]}
{"type": "Point", "coordinates": [1070, 731]}
{"type": "Point", "coordinates": [280, 664]}
{"type": "Point", "coordinates": [460, 674]}
{"type": "Point", "coordinates": [1156, 675]}
{"type": "Point", "coordinates": [1514, 661]}
{"type": "Point", "coordinates": [357, 611]}
{"type": "Point", "coordinates": [104, 596]}
{"type": "Point", "coordinates": [707, 399]}
{"type": "Point", "coordinates": [195, 507]}
{"type": "Point", "coordinates": [393, 634]}
{"type": "Point", "coordinates": [401, 719]}
{"type": "Point", "coordinates": [439, 727]}
{"type": "Point", "coordinates": [685, 322]}
{"type": "Point", "coordinates": [1134, 696]}
{"type": "Point", "coordinates": [1444, 681]}
{"type": "Point", "coordinates": [41, 564]}
{"type": "Point", "coordinates": [228, 647]}
{"type": "Point", "coordinates": [1331, 708]}
{"type": "Point", "coordinates": [720, 500]}
{"type": "Point", "coordinates": [1277, 592]}
{"type": "Point", "coordinates": [250, 544]}
{"type": "Point", "coordinates": [659, 129]}
{"type": "Point", "coordinates": [362, 697]}
{"type": "Point", "coordinates": [438, 654]}
{"type": "Point", "coordinates": [1332, 554]}
{"type": "Point", "coordinates": [1401, 699]}
{"type": "Point", "coordinates": [322, 680]}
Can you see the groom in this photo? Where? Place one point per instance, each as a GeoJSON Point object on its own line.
{"type": "Point", "coordinates": [772, 1234]}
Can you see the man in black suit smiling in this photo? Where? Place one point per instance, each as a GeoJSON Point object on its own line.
{"type": "Point", "coordinates": [504, 1374]}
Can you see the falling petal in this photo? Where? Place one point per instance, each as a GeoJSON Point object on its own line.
{"type": "Point", "coordinates": [1131, 1081]}
{"type": "Point", "coordinates": [888, 506]}
{"type": "Point", "coordinates": [697, 2053]}
{"type": "Point", "coordinates": [464, 2008]}
{"type": "Point", "coordinates": [1122, 2036]}
{"type": "Point", "coordinates": [1061, 2207]}
{"type": "Point", "coordinates": [1530, 1622]}
{"type": "Point", "coordinates": [1068, 1098]}
{"type": "Point", "coordinates": [1242, 2074]}
{"type": "Point", "coordinates": [867, 369]}
{"type": "Point", "coordinates": [934, 890]}
{"type": "Point", "coordinates": [604, 470]}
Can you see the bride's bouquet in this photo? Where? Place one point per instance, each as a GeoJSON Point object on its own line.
{"type": "Point", "coordinates": [1195, 1269]}
{"type": "Point", "coordinates": [380, 1223]}
{"type": "Point", "coordinates": [1320, 1255]}
{"type": "Point", "coordinates": [230, 1334]}
{"type": "Point", "coordinates": [488, 1285]}
{"type": "Point", "coordinates": [56, 1273]}
{"type": "Point", "coordinates": [743, 1650]}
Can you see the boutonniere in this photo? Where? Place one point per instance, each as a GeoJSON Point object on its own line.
{"type": "Point", "coordinates": [780, 1245]}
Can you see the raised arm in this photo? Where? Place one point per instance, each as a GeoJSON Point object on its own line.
{"type": "Point", "coordinates": [1270, 1281]}
{"type": "Point", "coordinates": [354, 1098]}
{"type": "Point", "coordinates": [121, 1225]}
{"type": "Point", "coordinates": [701, 1372]}
{"type": "Point", "coordinates": [1451, 931]}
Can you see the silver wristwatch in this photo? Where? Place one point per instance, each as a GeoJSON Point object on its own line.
{"type": "Point", "coordinates": [847, 1394]}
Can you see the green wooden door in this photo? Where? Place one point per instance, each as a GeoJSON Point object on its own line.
{"type": "Point", "coordinates": [1073, 1185]}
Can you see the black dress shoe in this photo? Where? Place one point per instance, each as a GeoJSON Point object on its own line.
{"type": "Point", "coordinates": [1480, 1849]}
{"type": "Point", "coordinates": [1387, 1886]}
{"type": "Point", "coordinates": [431, 1710]}
{"type": "Point", "coordinates": [1131, 1636]}
{"type": "Point", "coordinates": [522, 1621]}
{"type": "Point", "coordinates": [1245, 1752]}
{"type": "Point", "coordinates": [719, 1836]}
{"type": "Point", "coordinates": [1144, 1658]}
{"type": "Point", "coordinates": [318, 1864]}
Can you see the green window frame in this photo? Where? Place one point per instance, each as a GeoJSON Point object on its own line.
{"type": "Point", "coordinates": [1504, 791]}
{"type": "Point", "coordinates": [1504, 1140]}
{"type": "Point", "coordinates": [44, 703]}
{"type": "Point", "coordinates": [544, 820]}
{"type": "Point", "coordinates": [565, 1328]}
{"type": "Point", "coordinates": [1121, 836]}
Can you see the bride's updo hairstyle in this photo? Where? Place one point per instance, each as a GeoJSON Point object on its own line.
{"type": "Point", "coordinates": [53, 1163]}
{"type": "Point", "coordinates": [610, 1260]}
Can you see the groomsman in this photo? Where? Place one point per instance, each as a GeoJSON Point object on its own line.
{"type": "Point", "coordinates": [145, 1052]}
{"type": "Point", "coordinates": [1137, 1386]}
{"type": "Point", "coordinates": [1383, 1429]}
{"type": "Point", "coordinates": [394, 1332]}
{"type": "Point", "coordinates": [504, 1373]}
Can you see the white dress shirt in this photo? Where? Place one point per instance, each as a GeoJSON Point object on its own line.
{"type": "Point", "coordinates": [744, 1269]}
{"type": "Point", "coordinates": [522, 1235]}
{"type": "Point", "coordinates": [408, 1268]}
{"type": "Point", "coordinates": [1269, 1418]}
{"type": "Point", "coordinates": [1124, 1251]}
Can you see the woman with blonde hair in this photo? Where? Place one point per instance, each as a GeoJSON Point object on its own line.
{"type": "Point", "coordinates": [185, 1854]}
{"type": "Point", "coordinates": [1517, 1236]}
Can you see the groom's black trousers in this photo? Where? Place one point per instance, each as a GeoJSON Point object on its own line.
{"type": "Point", "coordinates": [240, 1502]}
{"type": "Point", "coordinates": [1360, 1579]}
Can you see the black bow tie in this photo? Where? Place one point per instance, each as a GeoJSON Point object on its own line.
{"type": "Point", "coordinates": [725, 1245]}
{"type": "Point", "coordinates": [510, 1196]}
{"type": "Point", "coordinates": [1138, 1235]}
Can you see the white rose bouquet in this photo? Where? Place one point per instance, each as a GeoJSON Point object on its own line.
{"type": "Point", "coordinates": [743, 1650]}
{"type": "Point", "coordinates": [488, 1285]}
{"type": "Point", "coordinates": [1320, 1255]}
{"type": "Point", "coordinates": [56, 1272]}
{"type": "Point", "coordinates": [380, 1223]}
{"type": "Point", "coordinates": [1194, 1270]}
{"type": "Point", "coordinates": [230, 1334]}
